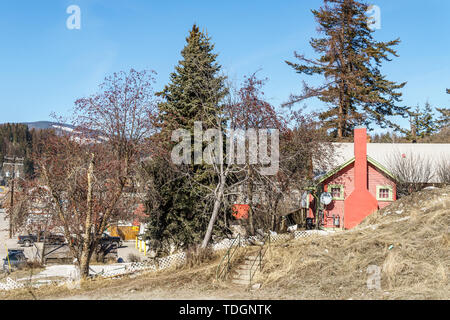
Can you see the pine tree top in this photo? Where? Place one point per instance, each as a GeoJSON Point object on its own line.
{"type": "Point", "coordinates": [349, 60]}
{"type": "Point", "coordinates": [196, 86]}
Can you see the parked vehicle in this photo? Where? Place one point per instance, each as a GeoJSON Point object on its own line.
{"type": "Point", "coordinates": [107, 239]}
{"type": "Point", "coordinates": [14, 260]}
{"type": "Point", "coordinates": [28, 240]}
{"type": "Point", "coordinates": [55, 239]}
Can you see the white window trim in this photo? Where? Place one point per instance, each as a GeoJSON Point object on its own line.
{"type": "Point", "coordinates": [391, 193]}
{"type": "Point", "coordinates": [340, 186]}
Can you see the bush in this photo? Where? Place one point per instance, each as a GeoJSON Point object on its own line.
{"type": "Point", "coordinates": [35, 264]}
{"type": "Point", "coordinates": [134, 258]}
{"type": "Point", "coordinates": [197, 256]}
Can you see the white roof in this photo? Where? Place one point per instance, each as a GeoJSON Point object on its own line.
{"type": "Point", "coordinates": [388, 153]}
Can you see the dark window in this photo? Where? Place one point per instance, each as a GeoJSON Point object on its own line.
{"type": "Point", "coordinates": [384, 193]}
{"type": "Point", "coordinates": [336, 192]}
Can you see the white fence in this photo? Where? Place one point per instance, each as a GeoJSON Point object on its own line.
{"type": "Point", "coordinates": [10, 284]}
{"type": "Point", "coordinates": [179, 259]}
{"type": "Point", "coordinates": [173, 260]}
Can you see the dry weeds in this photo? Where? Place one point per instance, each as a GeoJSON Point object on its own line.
{"type": "Point", "coordinates": [413, 256]}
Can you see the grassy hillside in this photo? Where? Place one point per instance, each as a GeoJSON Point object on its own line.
{"type": "Point", "coordinates": [408, 241]}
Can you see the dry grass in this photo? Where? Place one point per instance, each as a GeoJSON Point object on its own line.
{"type": "Point", "coordinates": [198, 256]}
{"type": "Point", "coordinates": [413, 256]}
{"type": "Point", "coordinates": [200, 277]}
{"type": "Point", "coordinates": [31, 269]}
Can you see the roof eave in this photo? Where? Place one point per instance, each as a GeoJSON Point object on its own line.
{"type": "Point", "coordinates": [376, 164]}
{"type": "Point", "coordinates": [336, 170]}
{"type": "Point", "coordinates": [380, 167]}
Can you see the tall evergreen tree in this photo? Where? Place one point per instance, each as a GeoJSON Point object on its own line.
{"type": "Point", "coordinates": [16, 141]}
{"type": "Point", "coordinates": [349, 59]}
{"type": "Point", "coordinates": [194, 93]}
{"type": "Point", "coordinates": [422, 123]}
{"type": "Point", "coordinates": [196, 87]}
{"type": "Point", "coordinates": [444, 118]}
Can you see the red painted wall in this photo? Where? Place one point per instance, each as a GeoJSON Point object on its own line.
{"type": "Point", "coordinates": [360, 180]}
{"type": "Point", "coordinates": [345, 177]}
{"type": "Point", "coordinates": [336, 207]}
{"type": "Point", "coordinates": [377, 178]}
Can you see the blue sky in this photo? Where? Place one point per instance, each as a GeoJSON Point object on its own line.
{"type": "Point", "coordinates": [45, 67]}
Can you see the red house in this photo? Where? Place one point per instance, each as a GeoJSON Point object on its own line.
{"type": "Point", "coordinates": [358, 187]}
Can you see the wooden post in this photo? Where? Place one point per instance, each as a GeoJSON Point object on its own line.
{"type": "Point", "coordinates": [12, 206]}
{"type": "Point", "coordinates": [18, 161]}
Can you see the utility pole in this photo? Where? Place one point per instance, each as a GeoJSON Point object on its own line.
{"type": "Point", "coordinates": [19, 162]}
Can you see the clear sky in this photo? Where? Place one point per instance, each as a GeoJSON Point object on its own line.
{"type": "Point", "coordinates": [44, 66]}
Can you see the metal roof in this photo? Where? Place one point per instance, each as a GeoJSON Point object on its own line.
{"type": "Point", "coordinates": [386, 153]}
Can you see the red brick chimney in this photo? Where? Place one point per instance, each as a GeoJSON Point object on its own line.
{"type": "Point", "coordinates": [360, 150]}
{"type": "Point", "coordinates": [361, 202]}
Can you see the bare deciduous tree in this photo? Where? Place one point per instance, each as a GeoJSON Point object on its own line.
{"type": "Point", "coordinates": [443, 171]}
{"type": "Point", "coordinates": [89, 171]}
{"type": "Point", "coordinates": [304, 152]}
{"type": "Point", "coordinates": [412, 171]}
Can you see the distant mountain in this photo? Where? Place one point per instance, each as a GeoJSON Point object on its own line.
{"type": "Point", "coordinates": [41, 125]}
{"type": "Point", "coordinates": [67, 128]}
{"type": "Point", "coordinates": [61, 128]}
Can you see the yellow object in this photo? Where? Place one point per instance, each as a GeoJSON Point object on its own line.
{"type": "Point", "coordinates": [124, 232]}
{"type": "Point", "coordinates": [7, 255]}
{"type": "Point", "coordinates": [136, 242]}
{"type": "Point", "coordinates": [145, 248]}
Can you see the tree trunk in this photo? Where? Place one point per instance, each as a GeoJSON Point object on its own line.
{"type": "Point", "coordinates": [43, 245]}
{"type": "Point", "coordinates": [412, 121]}
{"type": "Point", "coordinates": [340, 131]}
{"type": "Point", "coordinates": [87, 248]}
{"type": "Point", "coordinates": [250, 201]}
{"type": "Point", "coordinates": [11, 210]}
{"type": "Point", "coordinates": [216, 209]}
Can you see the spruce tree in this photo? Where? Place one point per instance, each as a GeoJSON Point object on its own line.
{"type": "Point", "coordinates": [196, 87]}
{"type": "Point", "coordinates": [194, 93]}
{"type": "Point", "coordinates": [444, 118]}
{"type": "Point", "coordinates": [16, 141]}
{"type": "Point", "coordinates": [355, 90]}
{"type": "Point", "coordinates": [422, 123]}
